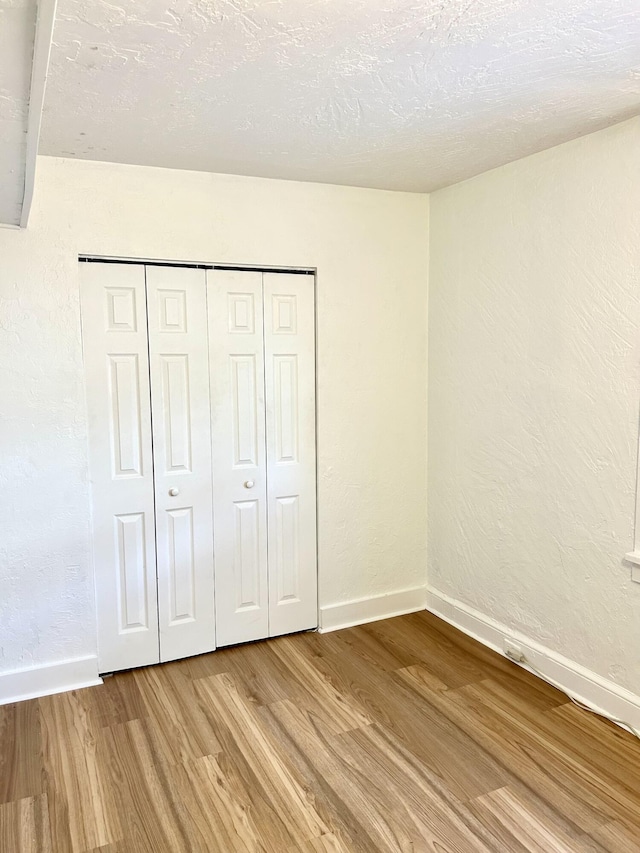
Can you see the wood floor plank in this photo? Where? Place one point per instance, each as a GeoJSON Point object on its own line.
{"type": "Point", "coordinates": [402, 735]}
{"type": "Point", "coordinates": [315, 753]}
{"type": "Point", "coordinates": [316, 689]}
{"type": "Point", "coordinates": [78, 789]}
{"type": "Point", "coordinates": [249, 791]}
{"type": "Point", "coordinates": [216, 800]}
{"type": "Point", "coordinates": [438, 742]}
{"type": "Point", "coordinates": [511, 746]}
{"type": "Point", "coordinates": [281, 787]}
{"type": "Point", "coordinates": [25, 826]}
{"type": "Point", "coordinates": [362, 681]}
{"type": "Point", "coordinates": [213, 663]}
{"type": "Point", "coordinates": [20, 756]}
{"type": "Point", "coordinates": [536, 831]}
{"type": "Point", "coordinates": [603, 791]}
{"type": "Point", "coordinates": [612, 750]}
{"type": "Point", "coordinates": [545, 811]}
{"type": "Point", "coordinates": [117, 701]}
{"type": "Point", "coordinates": [178, 725]}
{"type": "Point", "coordinates": [354, 803]}
{"type": "Point", "coordinates": [617, 837]}
{"type": "Point", "coordinates": [367, 646]}
{"type": "Point", "coordinates": [259, 676]}
{"type": "Point", "coordinates": [431, 811]}
{"type": "Point", "coordinates": [456, 659]}
{"type": "Point", "coordinates": [329, 843]}
{"type": "Point", "coordinates": [150, 807]}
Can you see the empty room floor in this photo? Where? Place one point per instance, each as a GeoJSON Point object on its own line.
{"type": "Point", "coordinates": [401, 735]}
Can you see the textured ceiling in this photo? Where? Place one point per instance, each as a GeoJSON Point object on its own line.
{"type": "Point", "coordinates": [17, 33]}
{"type": "Point", "coordinates": [400, 94]}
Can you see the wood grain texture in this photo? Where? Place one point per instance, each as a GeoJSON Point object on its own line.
{"type": "Point", "coordinates": [20, 751]}
{"type": "Point", "coordinates": [403, 735]}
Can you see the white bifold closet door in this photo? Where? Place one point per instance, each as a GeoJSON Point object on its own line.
{"type": "Point", "coordinates": [146, 360]}
{"type": "Point", "coordinates": [114, 332]}
{"type": "Point", "coordinates": [262, 369]}
{"type": "Point", "coordinates": [201, 407]}
{"type": "Point", "coordinates": [289, 334]}
{"type": "Point", "coordinates": [181, 421]}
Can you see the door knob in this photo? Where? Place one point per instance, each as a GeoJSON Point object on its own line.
{"type": "Point", "coordinates": [174, 492]}
{"type": "Point", "coordinates": [249, 484]}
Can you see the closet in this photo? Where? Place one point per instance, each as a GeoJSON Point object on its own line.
{"type": "Point", "coordinates": [201, 412]}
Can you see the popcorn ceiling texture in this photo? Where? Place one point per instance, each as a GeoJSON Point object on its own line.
{"type": "Point", "coordinates": [534, 380]}
{"type": "Point", "coordinates": [370, 249]}
{"type": "Point", "coordinates": [17, 32]}
{"type": "Point", "coordinates": [403, 95]}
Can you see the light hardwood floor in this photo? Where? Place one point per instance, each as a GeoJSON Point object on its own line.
{"type": "Point", "coordinates": [402, 735]}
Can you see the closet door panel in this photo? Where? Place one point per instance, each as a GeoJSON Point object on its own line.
{"type": "Point", "coordinates": [237, 410]}
{"type": "Point", "coordinates": [178, 351]}
{"type": "Point", "coordinates": [289, 323]}
{"type": "Point", "coordinates": [114, 327]}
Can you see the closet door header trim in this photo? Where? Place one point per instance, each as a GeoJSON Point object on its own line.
{"type": "Point", "coordinates": [98, 259]}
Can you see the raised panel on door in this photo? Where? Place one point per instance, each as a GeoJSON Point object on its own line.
{"type": "Point", "coordinates": [289, 323]}
{"type": "Point", "coordinates": [234, 301]}
{"type": "Point", "coordinates": [114, 328]}
{"type": "Point", "coordinates": [179, 362]}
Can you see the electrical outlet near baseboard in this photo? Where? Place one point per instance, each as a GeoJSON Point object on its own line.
{"type": "Point", "coordinates": [513, 651]}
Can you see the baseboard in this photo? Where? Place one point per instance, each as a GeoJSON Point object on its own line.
{"type": "Point", "coordinates": [49, 678]}
{"type": "Point", "coordinates": [590, 688]}
{"type": "Point", "coordinates": [371, 609]}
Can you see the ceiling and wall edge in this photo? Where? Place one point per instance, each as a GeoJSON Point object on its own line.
{"type": "Point", "coordinates": [43, 39]}
{"type": "Point", "coordinates": [45, 22]}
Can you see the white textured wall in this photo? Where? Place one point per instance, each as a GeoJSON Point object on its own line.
{"type": "Point", "coordinates": [534, 384]}
{"type": "Point", "coordinates": [370, 248]}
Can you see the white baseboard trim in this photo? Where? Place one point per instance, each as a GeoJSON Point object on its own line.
{"type": "Point", "coordinates": [588, 687]}
{"type": "Point", "coordinates": [371, 609]}
{"type": "Point", "coordinates": [35, 681]}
